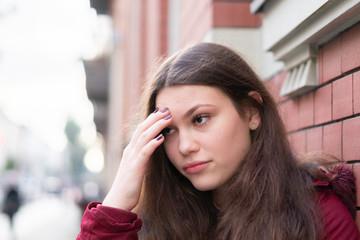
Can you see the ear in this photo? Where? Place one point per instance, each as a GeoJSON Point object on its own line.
{"type": "Point", "coordinates": [254, 115]}
{"type": "Point", "coordinates": [256, 96]}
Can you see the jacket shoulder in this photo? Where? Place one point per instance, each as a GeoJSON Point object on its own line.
{"type": "Point", "coordinates": [342, 185]}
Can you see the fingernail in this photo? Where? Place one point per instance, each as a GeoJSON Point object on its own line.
{"type": "Point", "coordinates": [156, 109]}
{"type": "Point", "coordinates": [164, 110]}
{"type": "Point", "coordinates": [167, 117]}
{"type": "Point", "coordinates": [159, 137]}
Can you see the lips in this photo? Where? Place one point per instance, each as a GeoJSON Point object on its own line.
{"type": "Point", "coordinates": [195, 166]}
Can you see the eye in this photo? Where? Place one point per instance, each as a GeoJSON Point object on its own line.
{"type": "Point", "coordinates": [200, 119]}
{"type": "Point", "coordinates": [167, 131]}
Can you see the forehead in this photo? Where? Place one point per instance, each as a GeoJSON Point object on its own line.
{"type": "Point", "coordinates": [185, 95]}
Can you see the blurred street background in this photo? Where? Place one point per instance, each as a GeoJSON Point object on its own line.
{"type": "Point", "coordinates": [51, 154]}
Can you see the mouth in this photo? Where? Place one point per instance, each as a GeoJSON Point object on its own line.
{"type": "Point", "coordinates": [195, 166]}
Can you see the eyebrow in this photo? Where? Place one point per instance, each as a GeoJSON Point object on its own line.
{"type": "Point", "coordinates": [194, 108]}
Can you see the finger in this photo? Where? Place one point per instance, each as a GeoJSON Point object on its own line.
{"type": "Point", "coordinates": [152, 132]}
{"type": "Point", "coordinates": [149, 121]}
{"type": "Point", "coordinates": [148, 150]}
{"type": "Point", "coordinates": [130, 192]}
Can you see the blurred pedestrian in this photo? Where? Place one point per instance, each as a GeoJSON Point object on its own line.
{"type": "Point", "coordinates": [11, 203]}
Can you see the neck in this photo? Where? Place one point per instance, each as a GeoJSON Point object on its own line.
{"type": "Point", "coordinates": [218, 196]}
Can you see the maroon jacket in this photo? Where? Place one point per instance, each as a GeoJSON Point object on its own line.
{"type": "Point", "coordinates": [101, 222]}
{"type": "Point", "coordinates": [337, 200]}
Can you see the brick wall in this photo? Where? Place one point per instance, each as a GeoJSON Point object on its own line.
{"type": "Point", "coordinates": [140, 38]}
{"type": "Point", "coordinates": [198, 17]}
{"type": "Point", "coordinates": [195, 21]}
{"type": "Point", "coordinates": [234, 14]}
{"type": "Point", "coordinates": [328, 118]}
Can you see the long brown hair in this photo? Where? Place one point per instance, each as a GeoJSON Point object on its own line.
{"type": "Point", "coordinates": [270, 196]}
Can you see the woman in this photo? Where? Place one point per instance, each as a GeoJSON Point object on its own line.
{"type": "Point", "coordinates": [212, 161]}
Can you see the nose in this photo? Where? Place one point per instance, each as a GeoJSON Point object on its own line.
{"type": "Point", "coordinates": [187, 143]}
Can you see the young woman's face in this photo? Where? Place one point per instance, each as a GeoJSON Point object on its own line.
{"type": "Point", "coordinates": [207, 138]}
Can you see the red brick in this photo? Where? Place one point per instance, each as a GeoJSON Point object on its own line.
{"type": "Point", "coordinates": [320, 66]}
{"type": "Point", "coordinates": [234, 14]}
{"type": "Point", "coordinates": [356, 92]}
{"type": "Point", "coordinates": [289, 112]}
{"type": "Point", "coordinates": [322, 105]}
{"type": "Point", "coordinates": [314, 140]}
{"type": "Point", "coordinates": [350, 49]}
{"type": "Point", "coordinates": [332, 59]}
{"type": "Point", "coordinates": [282, 110]}
{"type": "Point", "coordinates": [274, 85]}
{"type": "Point", "coordinates": [194, 26]}
{"type": "Point", "coordinates": [271, 86]}
{"type": "Point", "coordinates": [306, 110]}
{"type": "Point", "coordinates": [356, 170]}
{"type": "Point", "coordinates": [332, 139]}
{"type": "Point", "coordinates": [342, 97]}
{"type": "Point", "coordinates": [298, 142]}
{"type": "Point", "coordinates": [351, 142]}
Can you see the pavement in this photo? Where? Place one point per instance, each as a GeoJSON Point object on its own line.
{"type": "Point", "coordinates": [46, 218]}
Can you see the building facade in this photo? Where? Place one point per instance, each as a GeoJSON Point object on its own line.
{"type": "Point", "coordinates": [307, 52]}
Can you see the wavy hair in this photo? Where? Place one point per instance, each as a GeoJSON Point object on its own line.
{"type": "Point", "coordinates": [270, 196]}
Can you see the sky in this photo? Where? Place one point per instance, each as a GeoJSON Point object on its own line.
{"type": "Point", "coordinates": [42, 78]}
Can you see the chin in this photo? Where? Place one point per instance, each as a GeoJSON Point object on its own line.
{"type": "Point", "coordinates": [203, 186]}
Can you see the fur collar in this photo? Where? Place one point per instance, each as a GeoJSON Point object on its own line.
{"type": "Point", "coordinates": [342, 183]}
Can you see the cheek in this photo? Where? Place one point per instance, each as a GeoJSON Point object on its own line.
{"type": "Point", "coordinates": [244, 142]}
{"type": "Point", "coordinates": [233, 132]}
{"type": "Point", "coordinates": [234, 141]}
{"type": "Point", "coordinates": [170, 151]}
